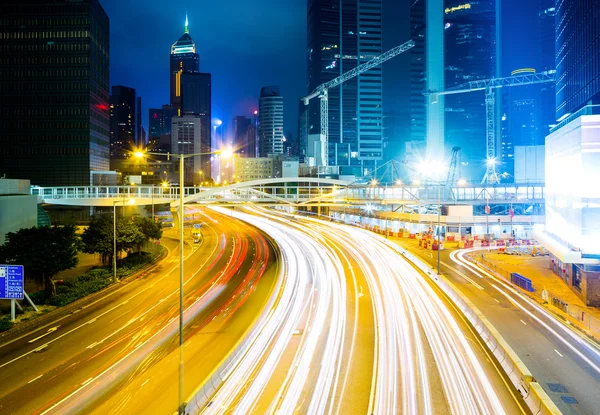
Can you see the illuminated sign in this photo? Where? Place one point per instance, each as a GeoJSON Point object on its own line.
{"type": "Point", "coordinates": [465, 6]}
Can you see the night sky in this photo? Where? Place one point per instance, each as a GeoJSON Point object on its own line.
{"type": "Point", "coordinates": [244, 45]}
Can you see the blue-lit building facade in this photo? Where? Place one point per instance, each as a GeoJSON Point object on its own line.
{"type": "Point", "coordinates": [341, 35]}
{"type": "Point", "coordinates": [577, 55]}
{"type": "Point", "coordinates": [470, 54]}
{"type": "Point", "coordinates": [573, 152]}
{"type": "Point", "coordinates": [527, 111]}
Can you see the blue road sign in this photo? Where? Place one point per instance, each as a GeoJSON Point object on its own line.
{"type": "Point", "coordinates": [11, 282]}
{"type": "Point", "coordinates": [197, 225]}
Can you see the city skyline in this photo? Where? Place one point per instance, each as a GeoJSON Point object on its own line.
{"type": "Point", "coordinates": [238, 67]}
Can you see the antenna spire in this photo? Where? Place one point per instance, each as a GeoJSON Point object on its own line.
{"type": "Point", "coordinates": [186, 29]}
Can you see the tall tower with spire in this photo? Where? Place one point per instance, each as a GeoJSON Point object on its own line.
{"type": "Point", "coordinates": [184, 59]}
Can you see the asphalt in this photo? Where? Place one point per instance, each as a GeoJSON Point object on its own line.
{"type": "Point", "coordinates": [354, 384]}
{"type": "Point", "coordinates": [76, 363]}
{"type": "Point", "coordinates": [562, 361]}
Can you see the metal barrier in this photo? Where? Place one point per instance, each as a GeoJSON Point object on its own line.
{"type": "Point", "coordinates": [543, 295]}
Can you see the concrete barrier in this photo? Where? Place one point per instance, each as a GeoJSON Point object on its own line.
{"type": "Point", "coordinates": [535, 397]}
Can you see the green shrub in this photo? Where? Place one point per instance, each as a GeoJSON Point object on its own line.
{"type": "Point", "coordinates": [5, 323]}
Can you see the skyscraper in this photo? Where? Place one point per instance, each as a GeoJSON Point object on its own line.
{"type": "Point", "coordinates": [270, 121]}
{"type": "Point", "coordinates": [140, 135]}
{"type": "Point", "coordinates": [577, 72]}
{"type": "Point", "coordinates": [123, 116]}
{"type": "Point", "coordinates": [341, 35]}
{"type": "Point", "coordinates": [470, 54]}
{"type": "Point", "coordinates": [186, 139]}
{"type": "Point", "coordinates": [159, 120]}
{"type": "Point", "coordinates": [573, 152]}
{"type": "Point", "coordinates": [191, 91]}
{"type": "Point", "coordinates": [54, 111]}
{"type": "Point", "coordinates": [243, 137]}
{"type": "Point", "coordinates": [416, 145]}
{"type": "Point", "coordinates": [183, 59]}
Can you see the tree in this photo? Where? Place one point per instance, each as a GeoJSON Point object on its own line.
{"type": "Point", "coordinates": [132, 233]}
{"type": "Point", "coordinates": [129, 236]}
{"type": "Point", "coordinates": [43, 251]}
{"type": "Point", "coordinates": [151, 229]}
{"type": "Point", "coordinates": [98, 237]}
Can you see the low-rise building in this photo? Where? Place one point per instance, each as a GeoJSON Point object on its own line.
{"type": "Point", "coordinates": [253, 168]}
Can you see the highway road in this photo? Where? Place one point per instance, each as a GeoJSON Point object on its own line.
{"type": "Point", "coordinates": [565, 363]}
{"type": "Point", "coordinates": [357, 329]}
{"type": "Point", "coordinates": [94, 359]}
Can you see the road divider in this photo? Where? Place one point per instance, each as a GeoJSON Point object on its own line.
{"type": "Point", "coordinates": [534, 396]}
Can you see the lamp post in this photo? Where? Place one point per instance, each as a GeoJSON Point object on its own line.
{"type": "Point", "coordinates": [131, 202]}
{"type": "Point", "coordinates": [439, 225]}
{"type": "Point", "coordinates": [182, 157]}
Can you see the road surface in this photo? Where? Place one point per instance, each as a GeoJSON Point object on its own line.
{"type": "Point", "coordinates": [80, 362]}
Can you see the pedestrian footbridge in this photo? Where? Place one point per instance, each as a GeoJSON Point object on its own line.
{"type": "Point", "coordinates": [294, 191]}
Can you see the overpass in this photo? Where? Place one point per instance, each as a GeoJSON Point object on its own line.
{"type": "Point", "coordinates": [295, 191]}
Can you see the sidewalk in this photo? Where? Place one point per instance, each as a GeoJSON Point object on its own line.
{"type": "Point", "coordinates": [549, 289]}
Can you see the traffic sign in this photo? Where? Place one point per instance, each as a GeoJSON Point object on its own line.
{"type": "Point", "coordinates": [11, 282]}
{"type": "Point", "coordinates": [197, 225]}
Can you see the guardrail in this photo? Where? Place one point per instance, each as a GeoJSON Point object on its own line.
{"type": "Point", "coordinates": [542, 295]}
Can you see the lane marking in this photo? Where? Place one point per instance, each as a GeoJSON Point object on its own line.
{"type": "Point", "coordinates": [34, 379]}
{"type": "Point", "coordinates": [50, 331]}
{"type": "Point", "coordinates": [496, 300]}
{"type": "Point", "coordinates": [523, 322]}
{"type": "Point", "coordinates": [558, 353]}
{"type": "Point", "coordinates": [87, 381]}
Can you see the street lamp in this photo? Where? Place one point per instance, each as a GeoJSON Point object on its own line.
{"type": "Point", "coordinates": [437, 169]}
{"type": "Point", "coordinates": [181, 157]}
{"type": "Point", "coordinates": [131, 202]}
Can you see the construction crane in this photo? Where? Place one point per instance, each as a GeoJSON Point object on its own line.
{"type": "Point", "coordinates": [321, 90]}
{"type": "Point", "coordinates": [454, 162]}
{"type": "Point", "coordinates": [489, 86]}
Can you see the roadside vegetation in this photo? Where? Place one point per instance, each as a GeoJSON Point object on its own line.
{"type": "Point", "coordinates": [46, 251]}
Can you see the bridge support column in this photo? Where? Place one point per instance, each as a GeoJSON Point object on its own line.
{"type": "Point", "coordinates": [175, 213]}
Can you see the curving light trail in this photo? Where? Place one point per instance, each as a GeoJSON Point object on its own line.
{"type": "Point", "coordinates": [417, 338]}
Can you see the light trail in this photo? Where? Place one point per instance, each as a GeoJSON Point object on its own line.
{"type": "Point", "coordinates": [413, 325]}
{"type": "Point", "coordinates": [586, 351]}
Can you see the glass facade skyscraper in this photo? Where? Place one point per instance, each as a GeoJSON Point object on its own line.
{"type": "Point", "coordinates": [183, 59]}
{"type": "Point", "coordinates": [123, 125]}
{"type": "Point", "coordinates": [470, 54]}
{"type": "Point", "coordinates": [54, 87]}
{"type": "Point", "coordinates": [270, 121]}
{"type": "Point", "coordinates": [341, 35]}
{"type": "Point", "coordinates": [577, 55]}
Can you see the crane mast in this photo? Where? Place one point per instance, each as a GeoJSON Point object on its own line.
{"type": "Point", "coordinates": [489, 86]}
{"type": "Point", "coordinates": [322, 90]}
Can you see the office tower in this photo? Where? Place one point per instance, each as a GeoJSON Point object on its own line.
{"type": "Point", "coordinates": [123, 117]}
{"type": "Point", "coordinates": [470, 54]}
{"type": "Point", "coordinates": [270, 121]}
{"type": "Point", "coordinates": [416, 145]}
{"type": "Point", "coordinates": [243, 137]}
{"type": "Point", "coordinates": [577, 72]}
{"type": "Point", "coordinates": [54, 111]}
{"type": "Point", "coordinates": [186, 138]}
{"type": "Point", "coordinates": [573, 152]}
{"type": "Point", "coordinates": [341, 35]}
{"type": "Point", "coordinates": [140, 139]}
{"type": "Point", "coordinates": [396, 88]}
{"type": "Point", "coordinates": [159, 120]}
{"type": "Point", "coordinates": [196, 100]}
{"type": "Point", "coordinates": [183, 59]}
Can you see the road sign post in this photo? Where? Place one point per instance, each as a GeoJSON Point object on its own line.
{"type": "Point", "coordinates": [11, 285]}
